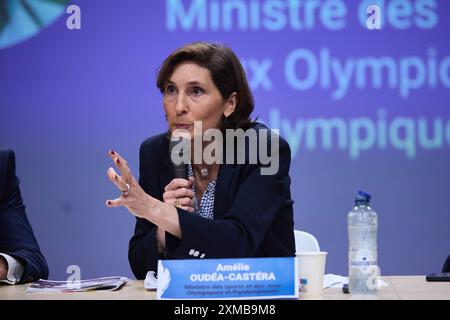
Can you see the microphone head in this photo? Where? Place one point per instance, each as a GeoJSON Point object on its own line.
{"type": "Point", "coordinates": [174, 142]}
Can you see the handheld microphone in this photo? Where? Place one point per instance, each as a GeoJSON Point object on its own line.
{"type": "Point", "coordinates": [179, 170]}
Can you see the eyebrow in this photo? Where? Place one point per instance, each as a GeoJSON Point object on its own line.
{"type": "Point", "coordinates": [189, 83]}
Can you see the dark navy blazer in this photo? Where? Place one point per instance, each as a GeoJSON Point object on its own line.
{"type": "Point", "coordinates": [253, 213]}
{"type": "Point", "coordinates": [16, 235]}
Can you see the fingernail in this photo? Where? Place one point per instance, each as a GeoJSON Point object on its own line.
{"type": "Point", "coordinates": [117, 160]}
{"type": "Point", "coordinates": [112, 151]}
{"type": "Point", "coordinates": [109, 203]}
{"type": "Point", "coordinates": [115, 177]}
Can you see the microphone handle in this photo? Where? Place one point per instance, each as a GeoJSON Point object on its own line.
{"type": "Point", "coordinates": [180, 171]}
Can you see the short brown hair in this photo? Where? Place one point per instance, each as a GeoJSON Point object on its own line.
{"type": "Point", "coordinates": [227, 74]}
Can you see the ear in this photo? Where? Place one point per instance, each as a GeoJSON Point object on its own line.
{"type": "Point", "coordinates": [230, 105]}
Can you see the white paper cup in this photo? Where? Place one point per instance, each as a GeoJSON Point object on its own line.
{"type": "Point", "coordinates": [311, 268]}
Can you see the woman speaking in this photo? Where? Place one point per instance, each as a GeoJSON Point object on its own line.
{"type": "Point", "coordinates": [224, 209]}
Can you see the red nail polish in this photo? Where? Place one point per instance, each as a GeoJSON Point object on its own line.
{"type": "Point", "coordinates": [112, 152]}
{"type": "Point", "coordinates": [115, 177]}
{"type": "Point", "coordinates": [118, 161]}
{"type": "Point", "coordinates": [109, 203]}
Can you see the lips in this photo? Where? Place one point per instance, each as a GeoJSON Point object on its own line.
{"type": "Point", "coordinates": [182, 126]}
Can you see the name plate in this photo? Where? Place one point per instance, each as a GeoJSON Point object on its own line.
{"type": "Point", "coordinates": [249, 278]}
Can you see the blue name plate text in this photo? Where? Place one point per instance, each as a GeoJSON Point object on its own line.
{"type": "Point", "coordinates": [248, 278]}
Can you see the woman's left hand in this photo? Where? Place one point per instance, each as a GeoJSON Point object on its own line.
{"type": "Point", "coordinates": [133, 197]}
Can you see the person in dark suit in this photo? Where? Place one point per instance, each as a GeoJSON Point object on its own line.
{"type": "Point", "coordinates": [446, 267]}
{"type": "Point", "coordinates": [20, 257]}
{"type": "Point", "coordinates": [224, 209]}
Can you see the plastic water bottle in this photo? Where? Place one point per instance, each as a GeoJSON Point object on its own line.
{"type": "Point", "coordinates": [362, 253]}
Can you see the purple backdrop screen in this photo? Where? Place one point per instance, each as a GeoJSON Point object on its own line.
{"type": "Point", "coordinates": [361, 108]}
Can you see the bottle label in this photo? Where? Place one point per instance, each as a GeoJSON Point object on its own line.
{"type": "Point", "coordinates": [369, 276]}
{"type": "Point", "coordinates": [363, 265]}
{"type": "Point", "coordinates": [372, 280]}
{"type": "Point", "coordinates": [363, 258]}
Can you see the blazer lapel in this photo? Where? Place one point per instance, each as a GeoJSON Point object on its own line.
{"type": "Point", "coordinates": [221, 198]}
{"type": "Point", "coordinates": [166, 173]}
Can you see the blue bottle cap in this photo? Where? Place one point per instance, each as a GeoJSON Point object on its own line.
{"type": "Point", "coordinates": [362, 197]}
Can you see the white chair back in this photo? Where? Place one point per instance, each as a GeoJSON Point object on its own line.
{"type": "Point", "coordinates": [305, 242]}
